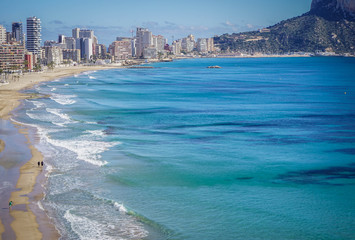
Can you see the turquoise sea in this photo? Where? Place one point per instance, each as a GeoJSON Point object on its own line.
{"type": "Point", "coordinates": [263, 148]}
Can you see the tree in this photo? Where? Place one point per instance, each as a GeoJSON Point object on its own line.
{"type": "Point", "coordinates": [38, 66]}
{"type": "Point", "coordinates": [51, 65]}
{"type": "Point", "coordinates": [25, 65]}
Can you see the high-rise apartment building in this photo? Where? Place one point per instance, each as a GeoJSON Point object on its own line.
{"type": "Point", "coordinates": [202, 45]}
{"type": "Point", "coordinates": [17, 32]}
{"type": "Point", "coordinates": [2, 34]}
{"type": "Point", "coordinates": [75, 32]}
{"type": "Point", "coordinates": [61, 38]}
{"type": "Point", "coordinates": [100, 51]}
{"type": "Point", "coordinates": [210, 45]}
{"type": "Point", "coordinates": [86, 48]}
{"type": "Point", "coordinates": [53, 54]}
{"type": "Point", "coordinates": [188, 43]}
{"type": "Point", "coordinates": [33, 43]}
{"type": "Point", "coordinates": [121, 50]}
{"type": "Point", "coordinates": [11, 56]}
{"type": "Point", "coordinates": [86, 33]}
{"type": "Point", "coordinates": [10, 38]}
{"type": "Point", "coordinates": [143, 40]}
{"type": "Point", "coordinates": [70, 43]}
{"type": "Point", "coordinates": [176, 47]}
{"type": "Point", "coordinates": [159, 42]}
{"type": "Point", "coordinates": [71, 54]}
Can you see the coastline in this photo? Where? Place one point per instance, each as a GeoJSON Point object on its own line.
{"type": "Point", "coordinates": [27, 219]}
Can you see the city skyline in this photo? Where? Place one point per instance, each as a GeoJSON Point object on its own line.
{"type": "Point", "coordinates": [111, 19]}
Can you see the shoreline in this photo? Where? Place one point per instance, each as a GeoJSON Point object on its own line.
{"type": "Point", "coordinates": [28, 218]}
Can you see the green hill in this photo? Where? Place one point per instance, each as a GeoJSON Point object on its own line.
{"type": "Point", "coordinates": [307, 33]}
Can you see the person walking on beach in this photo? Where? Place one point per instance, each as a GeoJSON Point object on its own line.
{"type": "Point", "coordinates": [10, 205]}
{"type": "Point", "coordinates": [42, 163]}
{"type": "Point", "coordinates": [39, 163]}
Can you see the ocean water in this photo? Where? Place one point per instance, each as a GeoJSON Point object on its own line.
{"type": "Point", "coordinates": [260, 149]}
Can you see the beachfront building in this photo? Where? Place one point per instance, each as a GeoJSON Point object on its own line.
{"type": "Point", "coordinates": [11, 56]}
{"type": "Point", "coordinates": [210, 45]}
{"type": "Point", "coordinates": [28, 60]}
{"type": "Point", "coordinates": [86, 33]}
{"type": "Point", "coordinates": [100, 51]}
{"type": "Point", "coordinates": [9, 38]}
{"type": "Point", "coordinates": [188, 43]}
{"type": "Point", "coordinates": [134, 49]}
{"type": "Point", "coordinates": [70, 43]}
{"type": "Point", "coordinates": [150, 53]}
{"type": "Point", "coordinates": [61, 38]}
{"type": "Point", "coordinates": [86, 41]}
{"type": "Point", "coordinates": [143, 40]}
{"type": "Point", "coordinates": [53, 54]}
{"type": "Point", "coordinates": [159, 42]}
{"type": "Point", "coordinates": [71, 54]}
{"type": "Point", "coordinates": [121, 50]}
{"type": "Point", "coordinates": [33, 43]}
{"type": "Point", "coordinates": [17, 32]}
{"type": "Point", "coordinates": [75, 32]}
{"type": "Point", "coordinates": [86, 48]}
{"type": "Point", "coordinates": [2, 34]}
{"type": "Point", "coordinates": [201, 45]}
{"type": "Point", "coordinates": [176, 47]}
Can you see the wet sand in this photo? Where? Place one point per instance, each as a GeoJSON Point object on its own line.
{"type": "Point", "coordinates": [27, 221]}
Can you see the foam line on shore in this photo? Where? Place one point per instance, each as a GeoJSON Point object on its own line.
{"type": "Point", "coordinates": [25, 223]}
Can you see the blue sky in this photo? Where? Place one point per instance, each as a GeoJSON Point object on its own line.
{"type": "Point", "coordinates": [112, 18]}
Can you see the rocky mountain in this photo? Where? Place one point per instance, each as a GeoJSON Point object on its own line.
{"type": "Point", "coordinates": [334, 9]}
{"type": "Point", "coordinates": [329, 26]}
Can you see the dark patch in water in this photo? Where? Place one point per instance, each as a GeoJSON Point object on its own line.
{"type": "Point", "coordinates": [243, 178]}
{"type": "Point", "coordinates": [279, 140]}
{"type": "Point", "coordinates": [110, 130]}
{"type": "Point", "coordinates": [350, 151]}
{"type": "Point", "coordinates": [320, 176]}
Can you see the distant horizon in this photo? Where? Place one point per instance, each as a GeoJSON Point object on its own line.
{"type": "Point", "coordinates": [176, 20]}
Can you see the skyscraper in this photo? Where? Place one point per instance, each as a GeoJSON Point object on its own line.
{"type": "Point", "coordinates": [2, 34]}
{"type": "Point", "coordinates": [33, 35]}
{"type": "Point", "coordinates": [144, 40]}
{"type": "Point", "coordinates": [75, 32]}
{"type": "Point", "coordinates": [17, 31]}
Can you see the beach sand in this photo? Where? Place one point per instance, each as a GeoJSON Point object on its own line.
{"type": "Point", "coordinates": [26, 224]}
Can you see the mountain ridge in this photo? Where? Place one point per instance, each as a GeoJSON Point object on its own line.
{"type": "Point", "coordinates": [329, 26]}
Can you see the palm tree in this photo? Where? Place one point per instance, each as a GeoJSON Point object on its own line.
{"type": "Point", "coordinates": [51, 65]}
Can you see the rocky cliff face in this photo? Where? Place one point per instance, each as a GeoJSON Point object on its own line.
{"type": "Point", "coordinates": [334, 9]}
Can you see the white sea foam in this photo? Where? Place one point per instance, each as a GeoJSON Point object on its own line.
{"type": "Point", "coordinates": [87, 229]}
{"type": "Point", "coordinates": [63, 99]}
{"type": "Point", "coordinates": [37, 104]}
{"type": "Point", "coordinates": [53, 89]}
{"type": "Point", "coordinates": [99, 133]}
{"type": "Point", "coordinates": [86, 150]}
{"type": "Point", "coordinates": [66, 84]}
{"type": "Point", "coordinates": [33, 116]}
{"type": "Point", "coordinates": [91, 77]}
{"type": "Point", "coordinates": [40, 206]}
{"type": "Point", "coordinates": [88, 72]}
{"type": "Point", "coordinates": [120, 207]}
{"type": "Point", "coordinates": [58, 113]}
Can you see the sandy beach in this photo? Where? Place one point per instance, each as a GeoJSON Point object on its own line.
{"type": "Point", "coordinates": [24, 221]}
